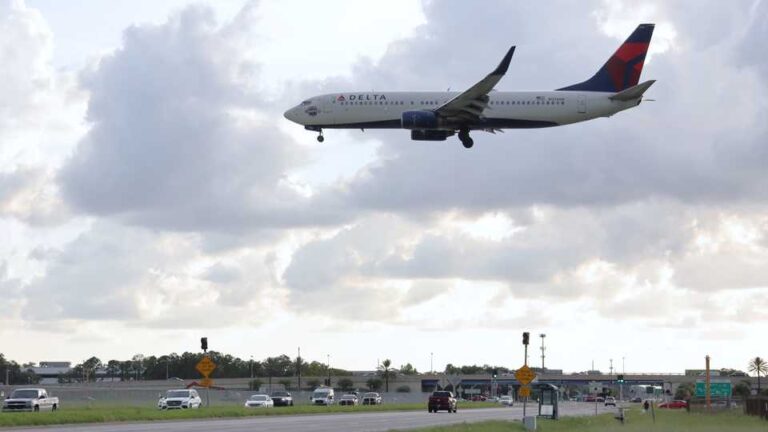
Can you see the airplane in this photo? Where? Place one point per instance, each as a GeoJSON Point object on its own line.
{"type": "Point", "coordinates": [435, 116]}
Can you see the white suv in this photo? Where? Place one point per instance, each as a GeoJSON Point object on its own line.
{"type": "Point", "coordinates": [180, 399]}
{"type": "Point", "coordinates": [610, 400]}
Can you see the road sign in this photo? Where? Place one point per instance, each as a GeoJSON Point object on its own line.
{"type": "Point", "coordinates": [716, 389]}
{"type": "Point", "coordinates": [525, 375]}
{"type": "Point", "coordinates": [206, 382]}
{"type": "Point", "coordinates": [205, 366]}
{"type": "Point", "coordinates": [525, 391]}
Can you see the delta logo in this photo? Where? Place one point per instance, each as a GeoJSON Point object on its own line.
{"type": "Point", "coordinates": [361, 97]}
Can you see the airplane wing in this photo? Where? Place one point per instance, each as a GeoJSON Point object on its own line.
{"type": "Point", "coordinates": [469, 106]}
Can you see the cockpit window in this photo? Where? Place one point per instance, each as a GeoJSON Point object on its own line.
{"type": "Point", "coordinates": [306, 102]}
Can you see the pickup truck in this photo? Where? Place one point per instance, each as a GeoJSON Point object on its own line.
{"type": "Point", "coordinates": [442, 400]}
{"type": "Point", "coordinates": [30, 399]}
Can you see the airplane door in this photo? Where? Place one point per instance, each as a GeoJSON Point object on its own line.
{"type": "Point", "coordinates": [581, 103]}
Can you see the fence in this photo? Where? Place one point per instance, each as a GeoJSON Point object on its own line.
{"type": "Point", "coordinates": [758, 406]}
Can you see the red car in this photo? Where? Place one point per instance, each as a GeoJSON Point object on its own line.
{"type": "Point", "coordinates": [479, 398]}
{"type": "Point", "coordinates": [675, 404]}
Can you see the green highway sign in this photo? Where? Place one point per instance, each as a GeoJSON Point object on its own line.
{"type": "Point", "coordinates": [716, 389]}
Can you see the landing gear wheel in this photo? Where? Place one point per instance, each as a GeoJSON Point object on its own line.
{"type": "Point", "coordinates": [465, 139]}
{"type": "Point", "coordinates": [320, 137]}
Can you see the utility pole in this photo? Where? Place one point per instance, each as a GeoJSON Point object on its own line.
{"type": "Point", "coordinates": [251, 367]}
{"type": "Point", "coordinates": [298, 368]}
{"type": "Point", "coordinates": [542, 336]}
{"type": "Point", "coordinates": [611, 368]}
{"type": "Point", "coordinates": [329, 370]}
{"type": "Point", "coordinates": [431, 368]}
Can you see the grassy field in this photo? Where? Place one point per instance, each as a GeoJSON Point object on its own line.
{"type": "Point", "coordinates": [105, 414]}
{"type": "Point", "coordinates": [666, 421]}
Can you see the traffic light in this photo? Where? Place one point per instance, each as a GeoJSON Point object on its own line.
{"type": "Point", "coordinates": [204, 343]}
{"type": "Point", "coordinates": [526, 336]}
{"type": "Point", "coordinates": [620, 379]}
{"type": "Point", "coordinates": [495, 373]}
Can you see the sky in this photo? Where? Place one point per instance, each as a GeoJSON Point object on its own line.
{"type": "Point", "coordinates": [151, 191]}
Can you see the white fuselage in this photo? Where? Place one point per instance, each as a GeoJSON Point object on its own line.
{"type": "Point", "coordinates": [524, 109]}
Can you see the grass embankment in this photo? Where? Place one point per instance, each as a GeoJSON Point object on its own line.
{"type": "Point", "coordinates": [666, 421]}
{"type": "Point", "coordinates": [108, 414]}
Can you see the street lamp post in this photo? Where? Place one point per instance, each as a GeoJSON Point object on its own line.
{"type": "Point", "coordinates": [329, 369]}
{"type": "Point", "coordinates": [542, 336]}
{"type": "Point", "coordinates": [431, 368]}
{"type": "Point", "coordinates": [251, 365]}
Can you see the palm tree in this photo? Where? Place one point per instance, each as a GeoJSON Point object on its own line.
{"type": "Point", "coordinates": [385, 372]}
{"type": "Point", "coordinates": [759, 366]}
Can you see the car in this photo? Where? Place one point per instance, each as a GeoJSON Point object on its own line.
{"type": "Point", "coordinates": [675, 404]}
{"type": "Point", "coordinates": [442, 400]}
{"type": "Point", "coordinates": [610, 400]}
{"type": "Point", "coordinates": [636, 399]}
{"type": "Point", "coordinates": [589, 398]}
{"type": "Point", "coordinates": [506, 401]}
{"type": "Point", "coordinates": [30, 399]}
{"type": "Point", "coordinates": [259, 401]}
{"type": "Point", "coordinates": [600, 399]}
{"type": "Point", "coordinates": [371, 398]}
{"type": "Point", "coordinates": [180, 399]}
{"type": "Point", "coordinates": [322, 396]}
{"type": "Point", "coordinates": [478, 398]}
{"type": "Point", "coordinates": [282, 398]}
{"type": "Point", "coordinates": [348, 399]}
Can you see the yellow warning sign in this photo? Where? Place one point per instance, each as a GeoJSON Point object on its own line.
{"type": "Point", "coordinates": [205, 366]}
{"type": "Point", "coordinates": [524, 391]}
{"type": "Point", "coordinates": [525, 375]}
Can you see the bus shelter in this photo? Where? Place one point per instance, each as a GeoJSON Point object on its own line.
{"type": "Point", "coordinates": [548, 398]}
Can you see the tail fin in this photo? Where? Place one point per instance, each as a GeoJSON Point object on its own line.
{"type": "Point", "coordinates": [622, 70]}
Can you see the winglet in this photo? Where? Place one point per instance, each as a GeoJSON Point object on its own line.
{"type": "Point", "coordinates": [504, 65]}
{"type": "Point", "coordinates": [633, 92]}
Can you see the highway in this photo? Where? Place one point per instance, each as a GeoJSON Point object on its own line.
{"type": "Point", "coordinates": [358, 422]}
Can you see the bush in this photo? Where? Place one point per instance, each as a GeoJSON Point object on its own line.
{"type": "Point", "coordinates": [313, 383]}
{"type": "Point", "coordinates": [403, 389]}
{"type": "Point", "coordinates": [374, 384]}
{"type": "Point", "coordinates": [285, 383]}
{"type": "Point", "coordinates": [345, 384]}
{"type": "Point", "coordinates": [255, 384]}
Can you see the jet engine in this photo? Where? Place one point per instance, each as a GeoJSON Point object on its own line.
{"type": "Point", "coordinates": [420, 120]}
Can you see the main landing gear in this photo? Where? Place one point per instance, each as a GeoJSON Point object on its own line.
{"type": "Point", "coordinates": [466, 140]}
{"type": "Point", "coordinates": [320, 137]}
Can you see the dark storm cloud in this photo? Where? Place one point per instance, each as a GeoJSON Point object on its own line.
{"type": "Point", "coordinates": [179, 138]}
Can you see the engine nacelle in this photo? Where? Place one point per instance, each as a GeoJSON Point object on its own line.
{"type": "Point", "coordinates": [419, 120]}
{"type": "Point", "coordinates": [430, 135]}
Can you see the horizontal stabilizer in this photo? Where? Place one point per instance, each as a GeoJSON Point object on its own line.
{"type": "Point", "coordinates": [633, 92]}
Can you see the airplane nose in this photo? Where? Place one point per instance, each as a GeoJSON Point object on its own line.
{"type": "Point", "coordinates": [291, 115]}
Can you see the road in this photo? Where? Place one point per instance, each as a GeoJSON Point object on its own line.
{"type": "Point", "coordinates": [358, 422]}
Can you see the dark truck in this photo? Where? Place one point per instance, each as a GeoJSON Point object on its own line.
{"type": "Point", "coordinates": [442, 400]}
{"type": "Point", "coordinates": [282, 398]}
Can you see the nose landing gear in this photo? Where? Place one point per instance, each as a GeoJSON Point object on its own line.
{"type": "Point", "coordinates": [466, 140]}
{"type": "Point", "coordinates": [320, 137]}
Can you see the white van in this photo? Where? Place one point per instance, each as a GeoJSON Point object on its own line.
{"type": "Point", "coordinates": [322, 396]}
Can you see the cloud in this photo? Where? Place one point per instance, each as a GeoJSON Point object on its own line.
{"type": "Point", "coordinates": [144, 278]}
{"type": "Point", "coordinates": [180, 136]}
